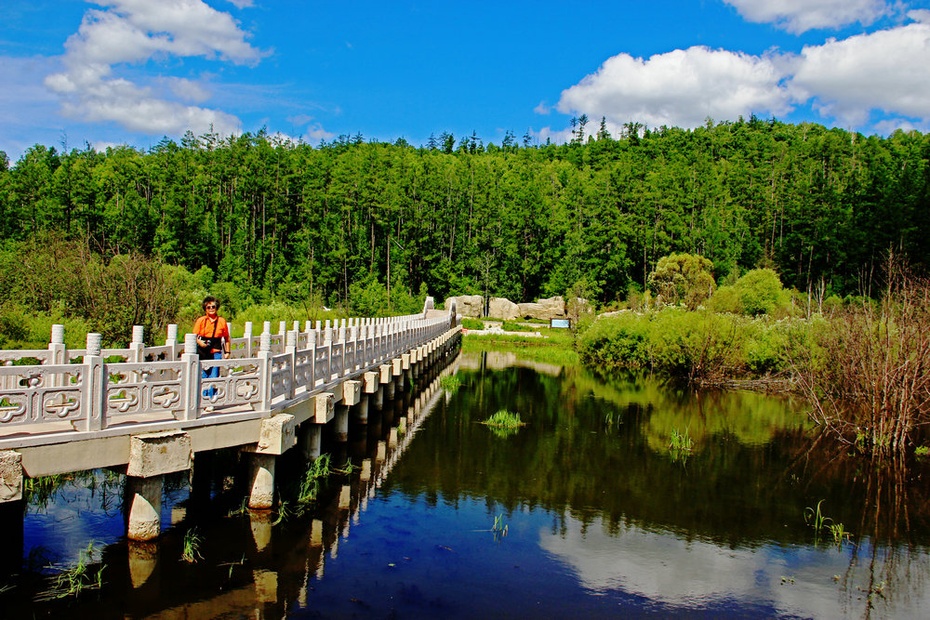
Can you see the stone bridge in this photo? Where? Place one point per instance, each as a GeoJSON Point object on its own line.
{"type": "Point", "coordinates": [146, 410]}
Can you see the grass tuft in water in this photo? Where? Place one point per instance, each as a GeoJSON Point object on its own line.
{"type": "Point", "coordinates": [816, 519]}
{"type": "Point", "coordinates": [190, 552]}
{"type": "Point", "coordinates": [313, 479]}
{"type": "Point", "coordinates": [504, 423]}
{"type": "Point", "coordinates": [74, 580]}
{"type": "Point", "coordinates": [681, 442]}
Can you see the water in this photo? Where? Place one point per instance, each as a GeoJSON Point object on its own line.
{"type": "Point", "coordinates": [583, 512]}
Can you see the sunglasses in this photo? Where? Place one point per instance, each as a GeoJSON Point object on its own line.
{"type": "Point", "coordinates": [211, 306]}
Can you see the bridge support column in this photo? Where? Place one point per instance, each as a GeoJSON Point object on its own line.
{"type": "Point", "coordinates": [342, 423]}
{"type": "Point", "coordinates": [151, 456]}
{"type": "Point", "coordinates": [361, 410]}
{"type": "Point", "coordinates": [378, 398]}
{"type": "Point", "coordinates": [389, 390]}
{"type": "Point", "coordinates": [143, 497]}
{"type": "Point", "coordinates": [261, 473]}
{"type": "Point", "coordinates": [310, 440]}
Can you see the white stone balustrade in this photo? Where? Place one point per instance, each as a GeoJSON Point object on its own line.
{"type": "Point", "coordinates": [84, 391]}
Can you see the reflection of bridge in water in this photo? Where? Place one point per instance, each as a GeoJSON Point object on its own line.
{"type": "Point", "coordinates": [146, 410]}
{"type": "Point", "coordinates": [276, 571]}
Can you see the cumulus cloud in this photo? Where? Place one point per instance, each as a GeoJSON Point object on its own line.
{"type": "Point", "coordinates": [884, 70]}
{"type": "Point", "coordinates": [798, 16]}
{"type": "Point", "coordinates": [682, 87]}
{"type": "Point", "coordinates": [854, 80]}
{"type": "Point", "coordinates": [137, 32]}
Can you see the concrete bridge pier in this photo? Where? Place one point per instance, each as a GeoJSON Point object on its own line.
{"type": "Point", "coordinates": [360, 411]}
{"type": "Point", "coordinates": [310, 440]}
{"type": "Point", "coordinates": [143, 496]}
{"type": "Point", "coordinates": [261, 481]}
{"type": "Point", "coordinates": [278, 434]}
{"type": "Point", "coordinates": [151, 456]}
{"type": "Point", "coordinates": [341, 428]}
{"type": "Point", "coordinates": [377, 399]}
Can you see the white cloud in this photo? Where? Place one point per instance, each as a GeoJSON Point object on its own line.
{"type": "Point", "coordinates": [681, 88]}
{"type": "Point", "coordinates": [885, 70]}
{"type": "Point", "coordinates": [136, 32]}
{"type": "Point", "coordinates": [798, 16]}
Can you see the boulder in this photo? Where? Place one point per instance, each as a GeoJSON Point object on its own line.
{"type": "Point", "coordinates": [544, 309]}
{"type": "Point", "coordinates": [468, 305]}
{"type": "Point", "coordinates": [501, 308]}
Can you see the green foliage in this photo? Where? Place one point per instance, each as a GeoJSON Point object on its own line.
{"type": "Point", "coordinates": [504, 423]}
{"type": "Point", "coordinates": [469, 323]}
{"type": "Point", "coordinates": [757, 292]}
{"type": "Point", "coordinates": [302, 224]}
{"type": "Point", "coordinates": [703, 346]}
{"type": "Point", "coordinates": [617, 341]}
{"type": "Point", "coordinates": [190, 551]}
{"type": "Point", "coordinates": [683, 278]}
{"type": "Point", "coordinates": [450, 383]}
{"type": "Point", "coordinates": [513, 326]}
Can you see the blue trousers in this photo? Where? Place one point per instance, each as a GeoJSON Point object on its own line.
{"type": "Point", "coordinates": [212, 373]}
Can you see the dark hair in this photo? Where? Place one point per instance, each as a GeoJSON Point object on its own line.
{"type": "Point", "coordinates": [209, 299]}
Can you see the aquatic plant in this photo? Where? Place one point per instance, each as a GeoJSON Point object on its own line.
{"type": "Point", "coordinates": [504, 419]}
{"type": "Point", "coordinates": [499, 528]}
{"type": "Point", "coordinates": [681, 442]}
{"type": "Point", "coordinates": [76, 578]}
{"type": "Point", "coordinates": [191, 549]}
{"type": "Point", "coordinates": [817, 520]}
{"type": "Point", "coordinates": [313, 478]}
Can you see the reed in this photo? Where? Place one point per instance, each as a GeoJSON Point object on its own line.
{"type": "Point", "coordinates": [867, 374]}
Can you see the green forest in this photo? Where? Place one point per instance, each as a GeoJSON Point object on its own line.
{"type": "Point", "coordinates": [273, 220]}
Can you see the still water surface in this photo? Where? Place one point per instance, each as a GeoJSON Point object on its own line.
{"type": "Point", "coordinates": [584, 512]}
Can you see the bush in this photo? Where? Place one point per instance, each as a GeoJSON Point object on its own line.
{"type": "Point", "coordinates": [616, 342]}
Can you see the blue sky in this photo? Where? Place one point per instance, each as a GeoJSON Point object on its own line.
{"type": "Point", "coordinates": [106, 72]}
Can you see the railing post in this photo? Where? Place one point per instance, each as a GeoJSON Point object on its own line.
{"type": "Point", "coordinates": [248, 339]}
{"type": "Point", "coordinates": [311, 347]}
{"type": "Point", "coordinates": [96, 384]}
{"type": "Point", "coordinates": [137, 345]}
{"type": "Point", "coordinates": [328, 347]}
{"type": "Point", "coordinates": [265, 369]}
{"type": "Point", "coordinates": [191, 377]}
{"type": "Point", "coordinates": [172, 341]}
{"type": "Point", "coordinates": [290, 348]}
{"type": "Point", "coordinates": [57, 353]}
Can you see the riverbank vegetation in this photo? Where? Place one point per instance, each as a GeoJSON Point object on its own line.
{"type": "Point", "coordinates": [734, 251]}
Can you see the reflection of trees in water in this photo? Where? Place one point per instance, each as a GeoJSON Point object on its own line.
{"type": "Point", "coordinates": [887, 508]}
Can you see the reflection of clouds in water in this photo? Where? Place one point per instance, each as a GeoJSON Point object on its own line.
{"type": "Point", "coordinates": [698, 573]}
{"type": "Point", "coordinates": [74, 517]}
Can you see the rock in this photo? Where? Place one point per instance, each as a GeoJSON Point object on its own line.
{"type": "Point", "coordinates": [468, 305]}
{"type": "Point", "coordinates": [501, 308]}
{"type": "Point", "coordinates": [544, 309]}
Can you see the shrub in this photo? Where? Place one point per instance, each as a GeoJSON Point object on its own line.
{"type": "Point", "coordinates": [617, 341]}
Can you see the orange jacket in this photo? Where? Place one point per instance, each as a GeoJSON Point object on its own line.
{"type": "Point", "coordinates": [203, 327]}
